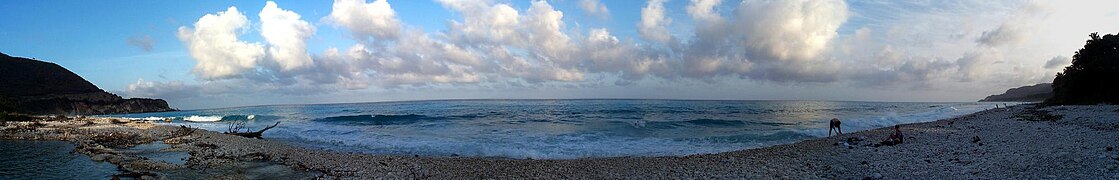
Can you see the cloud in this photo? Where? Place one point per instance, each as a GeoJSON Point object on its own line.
{"type": "Point", "coordinates": [703, 10]}
{"type": "Point", "coordinates": [790, 30]}
{"type": "Point", "coordinates": [143, 42]}
{"type": "Point", "coordinates": [214, 45]}
{"type": "Point", "coordinates": [376, 19]}
{"type": "Point", "coordinates": [484, 23]}
{"type": "Point", "coordinates": [594, 8]}
{"type": "Point", "coordinates": [966, 46]}
{"type": "Point", "coordinates": [1058, 61]}
{"type": "Point", "coordinates": [653, 24]}
{"type": "Point", "coordinates": [168, 90]}
{"type": "Point", "coordinates": [1005, 34]}
{"type": "Point", "coordinates": [286, 35]}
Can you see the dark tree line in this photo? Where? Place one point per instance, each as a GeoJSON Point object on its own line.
{"type": "Point", "coordinates": [1093, 77]}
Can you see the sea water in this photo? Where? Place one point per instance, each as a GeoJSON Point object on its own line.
{"type": "Point", "coordinates": [49, 160]}
{"type": "Point", "coordinates": [560, 129]}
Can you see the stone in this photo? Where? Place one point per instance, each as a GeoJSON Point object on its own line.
{"type": "Point", "coordinates": [99, 157]}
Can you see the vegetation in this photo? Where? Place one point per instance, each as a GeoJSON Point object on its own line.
{"type": "Point", "coordinates": [1093, 77]}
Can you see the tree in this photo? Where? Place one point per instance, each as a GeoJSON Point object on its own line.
{"type": "Point", "coordinates": [1093, 77]}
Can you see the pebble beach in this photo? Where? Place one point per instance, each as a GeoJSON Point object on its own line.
{"type": "Point", "coordinates": [1023, 141]}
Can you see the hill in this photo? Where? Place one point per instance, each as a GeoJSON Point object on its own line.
{"type": "Point", "coordinates": [35, 87]}
{"type": "Point", "coordinates": [1034, 93]}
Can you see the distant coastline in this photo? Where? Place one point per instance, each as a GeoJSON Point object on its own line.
{"type": "Point", "coordinates": [1032, 93]}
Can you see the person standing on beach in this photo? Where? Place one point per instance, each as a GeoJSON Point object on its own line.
{"type": "Point", "coordinates": [835, 125]}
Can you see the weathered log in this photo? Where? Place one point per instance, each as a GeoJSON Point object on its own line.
{"type": "Point", "coordinates": [256, 134]}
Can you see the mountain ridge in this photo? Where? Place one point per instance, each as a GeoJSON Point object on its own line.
{"type": "Point", "coordinates": [31, 86]}
{"type": "Point", "coordinates": [1031, 93]}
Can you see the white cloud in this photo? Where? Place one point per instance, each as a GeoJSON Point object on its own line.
{"type": "Point", "coordinates": [790, 30]}
{"type": "Point", "coordinates": [483, 22]}
{"type": "Point", "coordinates": [168, 90]}
{"type": "Point", "coordinates": [214, 45]}
{"type": "Point", "coordinates": [286, 35]}
{"type": "Point", "coordinates": [653, 25]}
{"type": "Point", "coordinates": [594, 8]}
{"type": "Point", "coordinates": [377, 19]}
{"type": "Point", "coordinates": [704, 11]}
{"type": "Point", "coordinates": [968, 46]}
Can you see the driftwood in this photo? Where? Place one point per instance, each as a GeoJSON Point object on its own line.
{"type": "Point", "coordinates": [235, 129]}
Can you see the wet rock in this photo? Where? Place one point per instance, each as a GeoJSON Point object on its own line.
{"type": "Point", "coordinates": [99, 157]}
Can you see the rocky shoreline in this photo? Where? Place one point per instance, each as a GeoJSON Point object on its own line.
{"type": "Point", "coordinates": [1063, 142]}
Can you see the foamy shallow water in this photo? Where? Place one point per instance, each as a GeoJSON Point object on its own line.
{"type": "Point", "coordinates": [561, 129]}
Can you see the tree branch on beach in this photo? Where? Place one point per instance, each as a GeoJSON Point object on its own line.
{"type": "Point", "coordinates": [235, 129]}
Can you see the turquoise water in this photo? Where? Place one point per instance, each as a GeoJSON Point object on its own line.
{"type": "Point", "coordinates": [561, 129]}
{"type": "Point", "coordinates": [48, 160]}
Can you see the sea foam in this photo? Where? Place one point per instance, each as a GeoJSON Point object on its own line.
{"type": "Point", "coordinates": [203, 118]}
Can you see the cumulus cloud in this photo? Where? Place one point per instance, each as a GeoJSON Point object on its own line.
{"type": "Point", "coordinates": [790, 30]}
{"type": "Point", "coordinates": [484, 23]}
{"type": "Point", "coordinates": [143, 42]}
{"type": "Point", "coordinates": [214, 45]}
{"type": "Point", "coordinates": [286, 35]}
{"type": "Point", "coordinates": [376, 19]}
{"type": "Point", "coordinates": [704, 10]}
{"type": "Point", "coordinates": [966, 45]}
{"type": "Point", "coordinates": [653, 25]}
{"type": "Point", "coordinates": [594, 8]}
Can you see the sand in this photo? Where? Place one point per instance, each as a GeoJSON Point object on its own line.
{"type": "Point", "coordinates": [1064, 142]}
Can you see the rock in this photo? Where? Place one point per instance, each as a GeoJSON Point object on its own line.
{"type": "Point", "coordinates": [114, 159]}
{"type": "Point", "coordinates": [99, 157]}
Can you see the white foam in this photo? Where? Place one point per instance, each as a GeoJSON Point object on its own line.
{"type": "Point", "coordinates": [203, 118]}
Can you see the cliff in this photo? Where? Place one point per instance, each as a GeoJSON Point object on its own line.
{"type": "Point", "coordinates": [36, 87]}
{"type": "Point", "coordinates": [1034, 93]}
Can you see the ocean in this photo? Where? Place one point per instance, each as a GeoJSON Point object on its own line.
{"type": "Point", "coordinates": [49, 160]}
{"type": "Point", "coordinates": [560, 129]}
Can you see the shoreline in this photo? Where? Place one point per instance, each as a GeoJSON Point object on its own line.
{"type": "Point", "coordinates": [1004, 142]}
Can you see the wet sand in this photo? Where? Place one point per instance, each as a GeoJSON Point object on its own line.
{"type": "Point", "coordinates": [1066, 142]}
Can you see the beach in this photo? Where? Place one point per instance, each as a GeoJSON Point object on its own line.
{"type": "Point", "coordinates": [1061, 142]}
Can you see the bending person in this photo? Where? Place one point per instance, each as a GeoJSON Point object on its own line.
{"type": "Point", "coordinates": [835, 125]}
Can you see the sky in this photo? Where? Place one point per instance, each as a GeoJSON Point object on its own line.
{"type": "Point", "coordinates": [211, 54]}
